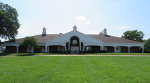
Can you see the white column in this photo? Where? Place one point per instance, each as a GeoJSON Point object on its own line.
{"type": "Point", "coordinates": [48, 49]}
{"type": "Point", "coordinates": [45, 49]}
{"type": "Point", "coordinates": [119, 49]}
{"type": "Point", "coordinates": [129, 49]}
{"type": "Point", "coordinates": [115, 48]}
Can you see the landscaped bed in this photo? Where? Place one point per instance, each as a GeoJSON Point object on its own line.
{"type": "Point", "coordinates": [84, 54]}
{"type": "Point", "coordinates": [75, 69]}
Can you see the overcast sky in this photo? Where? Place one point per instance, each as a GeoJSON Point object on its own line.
{"type": "Point", "coordinates": [90, 16]}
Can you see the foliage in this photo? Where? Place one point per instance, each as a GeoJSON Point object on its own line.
{"type": "Point", "coordinates": [29, 42]}
{"type": "Point", "coordinates": [8, 22]}
{"type": "Point", "coordinates": [147, 45]}
{"type": "Point", "coordinates": [133, 35]}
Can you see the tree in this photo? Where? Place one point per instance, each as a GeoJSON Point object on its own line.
{"type": "Point", "coordinates": [8, 22]}
{"type": "Point", "coordinates": [30, 43]}
{"type": "Point", "coordinates": [134, 35]}
{"type": "Point", "coordinates": [147, 45]}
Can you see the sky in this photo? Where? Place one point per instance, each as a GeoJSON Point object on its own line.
{"type": "Point", "coordinates": [90, 16]}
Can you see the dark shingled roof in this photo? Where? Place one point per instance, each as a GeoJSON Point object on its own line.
{"type": "Point", "coordinates": [40, 38]}
{"type": "Point", "coordinates": [112, 39]}
{"type": "Point", "coordinates": [103, 38]}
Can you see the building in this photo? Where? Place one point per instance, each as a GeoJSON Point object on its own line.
{"type": "Point", "coordinates": [77, 42]}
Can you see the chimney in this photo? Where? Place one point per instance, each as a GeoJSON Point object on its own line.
{"type": "Point", "coordinates": [74, 28]}
{"type": "Point", "coordinates": [44, 31]}
{"type": "Point", "coordinates": [60, 34]}
{"type": "Point", "coordinates": [104, 32]}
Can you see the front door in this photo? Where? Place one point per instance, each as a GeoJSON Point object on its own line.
{"type": "Point", "coordinates": [74, 50]}
{"type": "Point", "coordinates": [74, 45]}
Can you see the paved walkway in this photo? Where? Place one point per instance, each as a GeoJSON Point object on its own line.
{"type": "Point", "coordinates": [91, 55]}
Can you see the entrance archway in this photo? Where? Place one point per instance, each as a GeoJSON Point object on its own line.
{"type": "Point", "coordinates": [74, 45]}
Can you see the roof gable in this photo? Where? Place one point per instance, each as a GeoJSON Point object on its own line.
{"type": "Point", "coordinates": [82, 37]}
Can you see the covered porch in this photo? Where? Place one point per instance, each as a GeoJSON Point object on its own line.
{"type": "Point", "coordinates": [56, 49]}
{"type": "Point", "coordinates": [86, 49]}
{"type": "Point", "coordinates": [124, 49]}
{"type": "Point", "coordinates": [92, 49]}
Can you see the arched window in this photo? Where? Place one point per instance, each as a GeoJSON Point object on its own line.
{"type": "Point", "coordinates": [74, 41]}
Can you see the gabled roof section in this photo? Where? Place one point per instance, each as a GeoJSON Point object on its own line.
{"type": "Point", "coordinates": [112, 39]}
{"type": "Point", "coordinates": [40, 38]}
{"type": "Point", "coordinates": [62, 39]}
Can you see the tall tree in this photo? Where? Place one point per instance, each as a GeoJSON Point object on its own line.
{"type": "Point", "coordinates": [8, 22]}
{"type": "Point", "coordinates": [30, 43]}
{"type": "Point", "coordinates": [133, 35]}
{"type": "Point", "coordinates": [147, 45]}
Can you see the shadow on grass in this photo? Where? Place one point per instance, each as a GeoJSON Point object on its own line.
{"type": "Point", "coordinates": [4, 54]}
{"type": "Point", "coordinates": [17, 54]}
{"type": "Point", "coordinates": [26, 54]}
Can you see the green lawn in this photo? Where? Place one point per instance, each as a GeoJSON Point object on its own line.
{"type": "Point", "coordinates": [74, 69]}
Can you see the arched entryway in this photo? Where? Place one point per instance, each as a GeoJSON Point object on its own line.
{"type": "Point", "coordinates": [74, 45]}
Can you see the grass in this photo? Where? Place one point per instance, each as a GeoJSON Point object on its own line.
{"type": "Point", "coordinates": [74, 69]}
